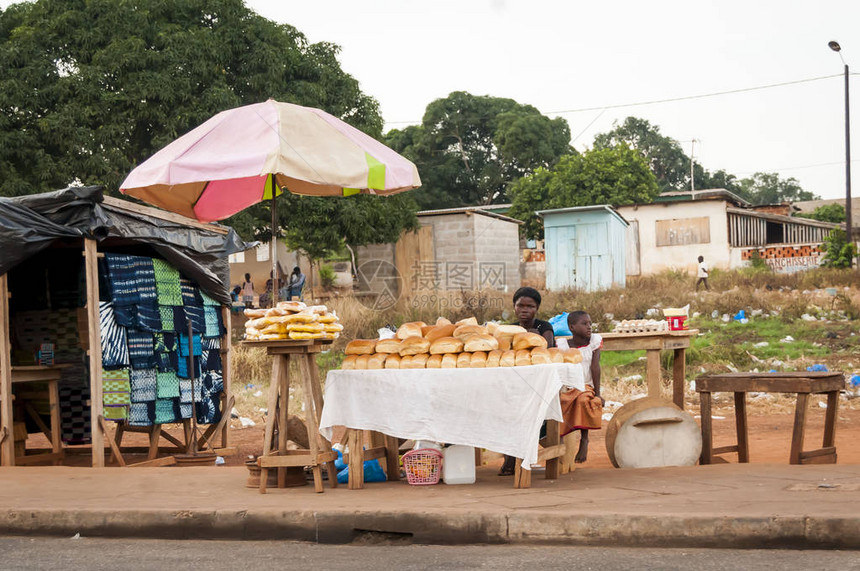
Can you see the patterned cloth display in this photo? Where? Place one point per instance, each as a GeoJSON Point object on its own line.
{"type": "Point", "coordinates": [182, 368]}
{"type": "Point", "coordinates": [212, 318]}
{"type": "Point", "coordinates": [168, 385]}
{"type": "Point", "coordinates": [122, 279]}
{"type": "Point", "coordinates": [141, 413]}
{"type": "Point", "coordinates": [165, 412]}
{"type": "Point", "coordinates": [208, 301]}
{"type": "Point", "coordinates": [141, 349]}
{"type": "Point", "coordinates": [198, 321]}
{"type": "Point", "coordinates": [116, 389]}
{"type": "Point", "coordinates": [143, 385]}
{"type": "Point", "coordinates": [114, 343]}
{"type": "Point", "coordinates": [144, 276]}
{"type": "Point", "coordinates": [196, 343]}
{"type": "Point", "coordinates": [190, 293]}
{"type": "Point", "coordinates": [167, 283]}
{"type": "Point", "coordinates": [75, 414]}
{"type": "Point", "coordinates": [148, 317]}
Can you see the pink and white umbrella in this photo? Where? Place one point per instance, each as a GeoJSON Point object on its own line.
{"type": "Point", "coordinates": [236, 158]}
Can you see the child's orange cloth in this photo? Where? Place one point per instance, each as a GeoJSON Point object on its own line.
{"type": "Point", "coordinates": [580, 409]}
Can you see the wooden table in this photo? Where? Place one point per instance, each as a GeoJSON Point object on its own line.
{"type": "Point", "coordinates": [51, 376]}
{"type": "Point", "coordinates": [653, 343]}
{"type": "Point", "coordinates": [275, 454]}
{"type": "Point", "coordinates": [802, 383]}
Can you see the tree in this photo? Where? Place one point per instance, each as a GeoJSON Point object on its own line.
{"type": "Point", "coordinates": [769, 188]}
{"type": "Point", "coordinates": [828, 213]}
{"type": "Point", "coordinates": [838, 252]}
{"type": "Point", "coordinates": [90, 88]}
{"type": "Point", "coordinates": [664, 155]}
{"type": "Point", "coordinates": [470, 148]}
{"type": "Point", "coordinates": [616, 176]}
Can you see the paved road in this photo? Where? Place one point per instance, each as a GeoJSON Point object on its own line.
{"type": "Point", "coordinates": [112, 554]}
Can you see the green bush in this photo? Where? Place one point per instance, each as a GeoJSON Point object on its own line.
{"type": "Point", "coordinates": [327, 276]}
{"type": "Point", "coordinates": [838, 252]}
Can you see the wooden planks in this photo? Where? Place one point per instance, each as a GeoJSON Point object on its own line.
{"type": "Point", "coordinates": [7, 445]}
{"type": "Point", "coordinates": [95, 354]}
{"type": "Point", "coordinates": [809, 383]}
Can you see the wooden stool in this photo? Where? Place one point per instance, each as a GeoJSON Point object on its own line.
{"type": "Point", "coordinates": [801, 383]}
{"type": "Point", "coordinates": [303, 353]}
{"type": "Point", "coordinates": [381, 446]}
{"type": "Point", "coordinates": [552, 450]}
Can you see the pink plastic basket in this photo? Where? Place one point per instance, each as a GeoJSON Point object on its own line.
{"type": "Point", "coordinates": [423, 466]}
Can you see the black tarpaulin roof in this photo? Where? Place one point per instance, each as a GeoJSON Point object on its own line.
{"type": "Point", "coordinates": [29, 224]}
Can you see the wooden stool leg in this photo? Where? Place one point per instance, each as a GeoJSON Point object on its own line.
{"type": "Point", "coordinates": [283, 412]}
{"type": "Point", "coordinates": [117, 437]}
{"type": "Point", "coordinates": [272, 411]}
{"type": "Point", "coordinates": [522, 477]}
{"type": "Point", "coordinates": [479, 457]}
{"type": "Point", "coordinates": [799, 428]}
{"type": "Point", "coordinates": [264, 477]}
{"type": "Point", "coordinates": [154, 437]}
{"type": "Point", "coordinates": [652, 372]}
{"type": "Point", "coordinates": [56, 434]}
{"type": "Point", "coordinates": [356, 460]}
{"type": "Point", "coordinates": [553, 438]}
{"type": "Point", "coordinates": [306, 363]}
{"type": "Point", "coordinates": [392, 458]}
{"type": "Point", "coordinates": [679, 374]}
{"type": "Point", "coordinates": [707, 434]}
{"type": "Point", "coordinates": [830, 419]}
{"type": "Point", "coordinates": [324, 444]}
{"type": "Point", "coordinates": [741, 426]}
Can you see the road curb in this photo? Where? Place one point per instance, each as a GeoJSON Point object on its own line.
{"type": "Point", "coordinates": [441, 527]}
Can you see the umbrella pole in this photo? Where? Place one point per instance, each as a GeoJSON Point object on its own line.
{"type": "Point", "coordinates": [274, 246]}
{"type": "Point", "coordinates": [193, 396]}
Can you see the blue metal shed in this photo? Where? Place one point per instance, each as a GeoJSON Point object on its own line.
{"type": "Point", "coordinates": [585, 247]}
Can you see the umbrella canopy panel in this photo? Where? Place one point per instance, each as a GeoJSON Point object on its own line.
{"type": "Point", "coordinates": [225, 165]}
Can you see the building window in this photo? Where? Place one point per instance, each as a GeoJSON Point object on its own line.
{"type": "Point", "coordinates": [683, 231]}
{"type": "Point", "coordinates": [774, 233]}
{"type": "Point", "coordinates": [237, 258]}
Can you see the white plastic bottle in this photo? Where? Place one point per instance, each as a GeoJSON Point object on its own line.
{"type": "Point", "coordinates": [458, 464]}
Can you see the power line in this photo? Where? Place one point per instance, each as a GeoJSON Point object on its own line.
{"type": "Point", "coordinates": [671, 99]}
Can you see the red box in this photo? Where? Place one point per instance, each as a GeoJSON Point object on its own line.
{"type": "Point", "coordinates": [677, 322]}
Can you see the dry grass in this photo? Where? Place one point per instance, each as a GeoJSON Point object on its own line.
{"type": "Point", "coordinates": [789, 296]}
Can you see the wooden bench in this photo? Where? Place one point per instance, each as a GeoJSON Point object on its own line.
{"type": "Point", "coordinates": [802, 384]}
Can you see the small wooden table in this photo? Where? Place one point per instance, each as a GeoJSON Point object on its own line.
{"type": "Point", "coordinates": [801, 383]}
{"type": "Point", "coordinates": [51, 376]}
{"type": "Point", "coordinates": [653, 343]}
{"type": "Point", "coordinates": [276, 455]}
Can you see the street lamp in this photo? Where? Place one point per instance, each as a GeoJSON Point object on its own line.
{"type": "Point", "coordinates": [848, 227]}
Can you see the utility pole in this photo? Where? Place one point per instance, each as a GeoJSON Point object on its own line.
{"type": "Point", "coordinates": [692, 165]}
{"type": "Point", "coordinates": [849, 228]}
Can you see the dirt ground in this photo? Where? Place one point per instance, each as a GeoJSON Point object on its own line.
{"type": "Point", "coordinates": [770, 438]}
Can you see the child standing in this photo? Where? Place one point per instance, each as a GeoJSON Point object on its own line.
{"type": "Point", "coordinates": [583, 410]}
{"type": "Point", "coordinates": [248, 291]}
{"type": "Point", "coordinates": [702, 274]}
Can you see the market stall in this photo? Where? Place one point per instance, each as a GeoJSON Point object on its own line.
{"type": "Point", "coordinates": [94, 328]}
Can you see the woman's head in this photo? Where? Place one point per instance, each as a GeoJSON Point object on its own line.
{"type": "Point", "coordinates": [247, 277]}
{"type": "Point", "coordinates": [526, 303]}
{"type": "Point", "coordinates": [297, 271]}
{"type": "Point", "coordinates": [579, 323]}
{"type": "Point", "coordinates": [701, 259]}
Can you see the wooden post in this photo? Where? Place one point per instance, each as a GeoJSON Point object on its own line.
{"type": "Point", "coordinates": [741, 427]}
{"type": "Point", "coordinates": [707, 435]}
{"type": "Point", "coordinates": [679, 373]}
{"type": "Point", "coordinates": [7, 445]}
{"type": "Point", "coordinates": [553, 438]}
{"type": "Point", "coordinates": [226, 350]}
{"type": "Point", "coordinates": [830, 419]}
{"type": "Point", "coordinates": [283, 412]}
{"type": "Point", "coordinates": [95, 352]}
{"type": "Point", "coordinates": [799, 428]}
{"type": "Point", "coordinates": [652, 372]}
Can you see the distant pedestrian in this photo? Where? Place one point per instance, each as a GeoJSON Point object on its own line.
{"type": "Point", "coordinates": [248, 291]}
{"type": "Point", "coordinates": [702, 274]}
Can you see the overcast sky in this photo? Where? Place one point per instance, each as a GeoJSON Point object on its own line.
{"type": "Point", "coordinates": [569, 55]}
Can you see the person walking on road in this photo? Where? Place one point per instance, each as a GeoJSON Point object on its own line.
{"type": "Point", "coordinates": [702, 274]}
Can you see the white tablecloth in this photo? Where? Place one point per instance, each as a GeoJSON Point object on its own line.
{"type": "Point", "coordinates": [500, 409]}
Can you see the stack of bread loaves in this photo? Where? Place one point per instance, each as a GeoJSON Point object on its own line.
{"type": "Point", "coordinates": [447, 345]}
{"type": "Point", "coordinates": [291, 320]}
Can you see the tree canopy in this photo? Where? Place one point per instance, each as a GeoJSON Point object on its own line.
{"type": "Point", "coordinates": [90, 88]}
{"type": "Point", "coordinates": [826, 213]}
{"type": "Point", "coordinates": [616, 176]}
{"type": "Point", "coordinates": [769, 188]}
{"type": "Point", "coordinates": [470, 148]}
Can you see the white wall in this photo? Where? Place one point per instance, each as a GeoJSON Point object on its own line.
{"type": "Point", "coordinates": [654, 259]}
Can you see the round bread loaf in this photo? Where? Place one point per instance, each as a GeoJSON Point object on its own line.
{"type": "Point", "coordinates": [479, 360]}
{"type": "Point", "coordinates": [376, 361]}
{"type": "Point", "coordinates": [348, 362]}
{"type": "Point", "coordinates": [540, 356]}
{"type": "Point", "coordinates": [508, 358]}
{"type": "Point", "coordinates": [572, 356]}
{"type": "Point", "coordinates": [434, 362]}
{"type": "Point", "coordinates": [480, 343]}
{"type": "Point", "coordinates": [392, 361]}
{"type": "Point", "coordinates": [360, 347]}
{"type": "Point", "coordinates": [419, 361]}
{"type": "Point", "coordinates": [462, 332]}
{"type": "Point", "coordinates": [446, 345]}
{"type": "Point", "coordinates": [556, 355]}
{"type": "Point", "coordinates": [413, 346]}
{"type": "Point", "coordinates": [528, 340]}
{"type": "Point", "coordinates": [468, 321]}
{"type": "Point", "coordinates": [523, 358]}
{"type": "Point", "coordinates": [443, 321]}
{"type": "Point", "coordinates": [361, 362]}
{"type": "Point", "coordinates": [464, 360]}
{"type": "Point", "coordinates": [493, 358]}
{"type": "Point", "coordinates": [449, 361]}
{"type": "Point", "coordinates": [388, 346]}
{"type": "Point", "coordinates": [440, 331]}
{"type": "Point", "coordinates": [406, 362]}
{"type": "Point", "coordinates": [411, 329]}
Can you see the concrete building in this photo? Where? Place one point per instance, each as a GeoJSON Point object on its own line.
{"type": "Point", "coordinates": [457, 249]}
{"type": "Point", "coordinates": [669, 234]}
{"type": "Point", "coordinates": [258, 263]}
{"type": "Point", "coordinates": [585, 247]}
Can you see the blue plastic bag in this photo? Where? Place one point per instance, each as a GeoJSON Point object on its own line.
{"type": "Point", "coordinates": [372, 471]}
{"type": "Point", "coordinates": [740, 315]}
{"type": "Point", "coordinates": [855, 381]}
{"type": "Point", "coordinates": [559, 325]}
{"type": "Point", "coordinates": [817, 368]}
